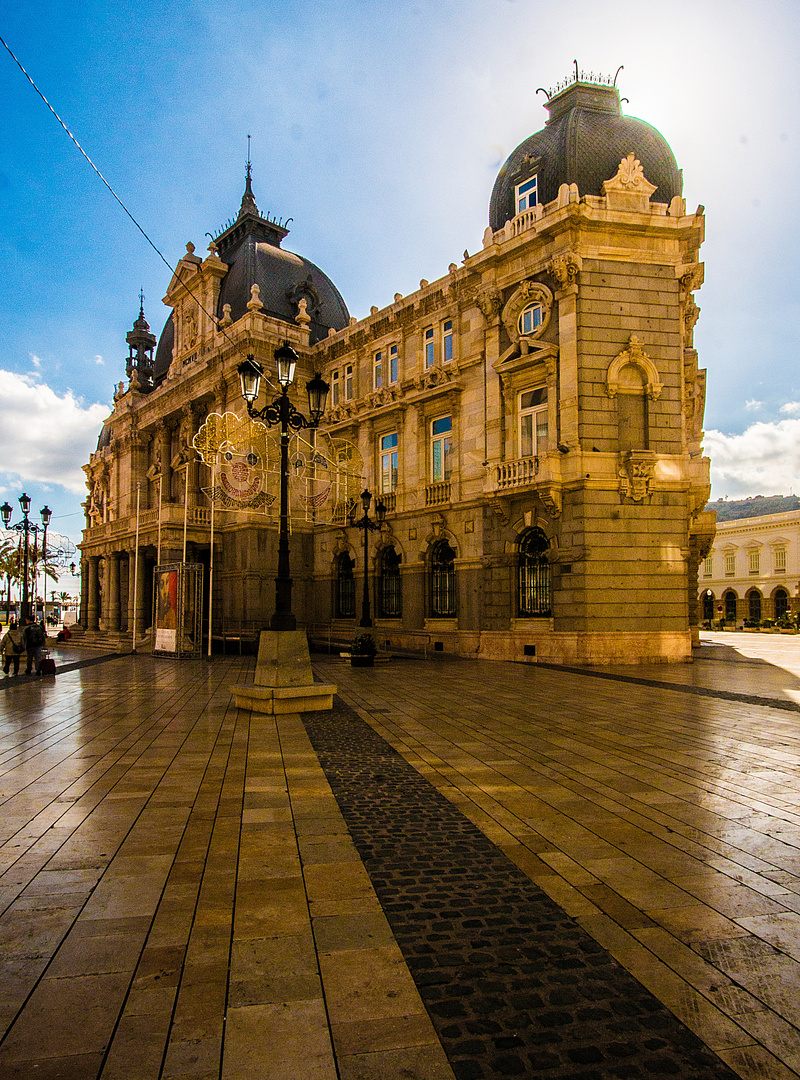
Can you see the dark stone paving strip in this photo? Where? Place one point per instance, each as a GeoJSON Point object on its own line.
{"type": "Point", "coordinates": [682, 688]}
{"type": "Point", "coordinates": [513, 985]}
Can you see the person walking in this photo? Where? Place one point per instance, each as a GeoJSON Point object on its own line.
{"type": "Point", "coordinates": [11, 647]}
{"type": "Point", "coordinates": [34, 636]}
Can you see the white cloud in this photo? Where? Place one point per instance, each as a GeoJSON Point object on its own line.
{"type": "Point", "coordinates": [752, 405]}
{"type": "Point", "coordinates": [763, 460]}
{"type": "Point", "coordinates": [36, 360]}
{"type": "Point", "coordinates": [791, 408]}
{"type": "Point", "coordinates": [46, 437]}
{"type": "Point", "coordinates": [99, 360]}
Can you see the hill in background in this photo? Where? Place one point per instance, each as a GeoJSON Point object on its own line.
{"type": "Point", "coordinates": [732, 509]}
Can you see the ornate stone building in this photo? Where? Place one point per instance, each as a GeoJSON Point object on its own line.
{"type": "Point", "coordinates": [532, 421]}
{"type": "Point", "coordinates": [752, 572]}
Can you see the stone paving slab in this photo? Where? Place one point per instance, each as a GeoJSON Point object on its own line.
{"type": "Point", "coordinates": [148, 826]}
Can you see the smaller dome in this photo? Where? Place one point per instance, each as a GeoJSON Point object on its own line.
{"type": "Point", "coordinates": [251, 246]}
{"type": "Point", "coordinates": [583, 142]}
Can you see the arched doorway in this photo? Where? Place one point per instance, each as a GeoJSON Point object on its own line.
{"type": "Point", "coordinates": [754, 606]}
{"type": "Point", "coordinates": [729, 600]}
{"type": "Point", "coordinates": [345, 587]}
{"type": "Point", "coordinates": [443, 580]}
{"type": "Point", "coordinates": [533, 594]}
{"type": "Point", "coordinates": [780, 598]}
{"type": "Point", "coordinates": [390, 603]}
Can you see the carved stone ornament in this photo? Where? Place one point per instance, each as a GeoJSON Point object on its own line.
{"type": "Point", "coordinates": [499, 508]}
{"type": "Point", "coordinates": [634, 354]}
{"type": "Point", "coordinates": [490, 303]}
{"type": "Point", "coordinates": [636, 474]}
{"type": "Point", "coordinates": [434, 377]}
{"type": "Point", "coordinates": [550, 496]}
{"type": "Point", "coordinates": [565, 268]}
{"type": "Point", "coordinates": [629, 189]}
{"type": "Point", "coordinates": [528, 292]}
{"type": "Point", "coordinates": [189, 326]}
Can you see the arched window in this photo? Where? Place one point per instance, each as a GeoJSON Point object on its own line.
{"type": "Point", "coordinates": [345, 587]}
{"type": "Point", "coordinates": [389, 596]}
{"type": "Point", "coordinates": [730, 606]}
{"type": "Point", "coordinates": [754, 606]}
{"type": "Point", "coordinates": [443, 580]}
{"type": "Point", "coordinates": [781, 600]}
{"type": "Point", "coordinates": [534, 575]}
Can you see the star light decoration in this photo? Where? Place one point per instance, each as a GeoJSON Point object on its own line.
{"type": "Point", "coordinates": [325, 474]}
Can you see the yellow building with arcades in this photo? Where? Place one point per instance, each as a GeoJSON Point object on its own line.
{"type": "Point", "coordinates": [532, 422]}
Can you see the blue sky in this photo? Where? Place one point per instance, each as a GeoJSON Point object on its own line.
{"type": "Point", "coordinates": [379, 128]}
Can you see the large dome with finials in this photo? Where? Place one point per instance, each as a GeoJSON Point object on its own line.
{"type": "Point", "coordinates": [251, 246]}
{"type": "Point", "coordinates": [583, 142]}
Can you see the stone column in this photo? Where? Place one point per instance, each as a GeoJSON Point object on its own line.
{"type": "Point", "coordinates": [83, 618]}
{"type": "Point", "coordinates": [93, 594]}
{"type": "Point", "coordinates": [113, 622]}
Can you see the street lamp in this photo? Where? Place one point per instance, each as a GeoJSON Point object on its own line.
{"type": "Point", "coordinates": [26, 528]}
{"type": "Point", "coordinates": [281, 411]}
{"type": "Point", "coordinates": [368, 525]}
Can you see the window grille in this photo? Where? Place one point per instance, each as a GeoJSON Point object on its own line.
{"type": "Point", "coordinates": [389, 593]}
{"type": "Point", "coordinates": [534, 575]}
{"type": "Point", "coordinates": [443, 580]}
{"type": "Point", "coordinates": [345, 587]}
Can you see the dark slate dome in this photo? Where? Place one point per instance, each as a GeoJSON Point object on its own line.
{"type": "Point", "coordinates": [251, 246]}
{"type": "Point", "coordinates": [582, 143]}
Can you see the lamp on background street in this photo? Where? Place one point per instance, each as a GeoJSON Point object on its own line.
{"type": "Point", "coordinates": [368, 525]}
{"type": "Point", "coordinates": [26, 527]}
{"type": "Point", "coordinates": [282, 411]}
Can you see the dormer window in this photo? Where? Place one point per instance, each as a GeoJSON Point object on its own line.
{"type": "Point", "coordinates": [526, 194]}
{"type": "Point", "coordinates": [530, 319]}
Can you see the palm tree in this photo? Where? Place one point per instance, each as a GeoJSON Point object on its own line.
{"type": "Point", "coordinates": [9, 567]}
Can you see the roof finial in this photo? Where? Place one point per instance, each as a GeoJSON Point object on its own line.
{"type": "Point", "coordinates": [248, 200]}
{"type": "Point", "coordinates": [141, 301]}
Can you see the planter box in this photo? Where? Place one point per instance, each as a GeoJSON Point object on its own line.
{"type": "Point", "coordinates": [362, 661]}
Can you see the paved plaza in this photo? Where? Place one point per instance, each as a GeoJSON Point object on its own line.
{"type": "Point", "coordinates": [467, 870]}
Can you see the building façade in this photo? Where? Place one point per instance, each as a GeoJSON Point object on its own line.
{"type": "Point", "coordinates": [532, 421]}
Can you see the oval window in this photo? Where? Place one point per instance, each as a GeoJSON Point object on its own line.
{"type": "Point", "coordinates": [531, 319]}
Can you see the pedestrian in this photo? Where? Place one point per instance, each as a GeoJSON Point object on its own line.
{"type": "Point", "coordinates": [34, 636]}
{"type": "Point", "coordinates": [11, 647]}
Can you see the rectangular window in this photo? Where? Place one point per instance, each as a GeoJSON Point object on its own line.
{"type": "Point", "coordinates": [730, 565]}
{"type": "Point", "coordinates": [441, 449]}
{"type": "Point", "coordinates": [393, 364]}
{"type": "Point", "coordinates": [447, 341]}
{"type": "Point", "coordinates": [708, 566]}
{"type": "Point", "coordinates": [428, 339]}
{"type": "Point", "coordinates": [527, 194]}
{"type": "Point", "coordinates": [388, 463]}
{"type": "Point", "coordinates": [753, 557]}
{"type": "Point", "coordinates": [348, 383]}
{"type": "Point", "coordinates": [335, 391]}
{"type": "Point", "coordinates": [377, 370]}
{"type": "Point", "coordinates": [533, 422]}
{"type": "Point", "coordinates": [780, 558]}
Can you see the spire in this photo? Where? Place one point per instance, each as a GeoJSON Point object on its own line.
{"type": "Point", "coordinates": [248, 201]}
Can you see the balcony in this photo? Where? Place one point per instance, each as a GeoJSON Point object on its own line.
{"type": "Point", "coordinates": [514, 474]}
{"type": "Point", "coordinates": [438, 494]}
{"type": "Point", "coordinates": [541, 475]}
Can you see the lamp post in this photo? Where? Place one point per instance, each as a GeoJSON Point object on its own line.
{"type": "Point", "coordinates": [26, 527]}
{"type": "Point", "coordinates": [282, 411]}
{"type": "Point", "coordinates": [368, 525]}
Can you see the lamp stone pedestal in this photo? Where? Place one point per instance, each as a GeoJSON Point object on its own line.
{"type": "Point", "coordinates": [284, 682]}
